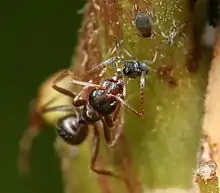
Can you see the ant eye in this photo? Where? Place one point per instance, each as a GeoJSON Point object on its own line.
{"type": "Point", "coordinates": [72, 130]}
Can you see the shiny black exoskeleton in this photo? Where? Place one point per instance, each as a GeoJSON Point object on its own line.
{"type": "Point", "coordinates": [72, 129]}
{"type": "Point", "coordinates": [131, 68]}
{"type": "Point", "coordinates": [104, 100]}
{"type": "Point", "coordinates": [134, 68]}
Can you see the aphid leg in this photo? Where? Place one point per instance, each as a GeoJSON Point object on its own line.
{"type": "Point", "coordinates": [34, 128]}
{"type": "Point", "coordinates": [95, 152]}
{"type": "Point", "coordinates": [60, 89]}
{"type": "Point", "coordinates": [127, 105]}
{"type": "Point", "coordinates": [151, 61]}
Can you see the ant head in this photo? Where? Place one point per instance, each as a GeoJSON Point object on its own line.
{"type": "Point", "coordinates": [72, 130]}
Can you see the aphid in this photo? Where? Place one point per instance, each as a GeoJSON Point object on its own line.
{"type": "Point", "coordinates": [142, 21]}
{"type": "Point", "coordinates": [132, 68]}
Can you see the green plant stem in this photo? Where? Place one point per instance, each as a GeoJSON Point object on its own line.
{"type": "Point", "coordinates": [159, 151]}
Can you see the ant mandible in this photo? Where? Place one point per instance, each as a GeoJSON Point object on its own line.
{"type": "Point", "coordinates": [132, 68]}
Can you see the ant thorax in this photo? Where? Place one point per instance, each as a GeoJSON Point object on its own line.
{"type": "Point", "coordinates": [90, 115]}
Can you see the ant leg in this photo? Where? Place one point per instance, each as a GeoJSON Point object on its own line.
{"type": "Point", "coordinates": [142, 86]}
{"type": "Point", "coordinates": [87, 84]}
{"type": "Point", "coordinates": [151, 61]}
{"type": "Point", "coordinates": [127, 105]}
{"type": "Point", "coordinates": [58, 108]}
{"type": "Point", "coordinates": [95, 152]}
{"type": "Point", "coordinates": [109, 123]}
{"type": "Point", "coordinates": [118, 133]}
{"type": "Point", "coordinates": [101, 65]}
{"type": "Point", "coordinates": [60, 89]}
{"type": "Point", "coordinates": [34, 128]}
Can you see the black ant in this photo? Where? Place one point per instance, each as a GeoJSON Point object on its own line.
{"type": "Point", "coordinates": [132, 68]}
{"type": "Point", "coordinates": [74, 129]}
{"type": "Point", "coordinates": [103, 103]}
{"type": "Point", "coordinates": [142, 21]}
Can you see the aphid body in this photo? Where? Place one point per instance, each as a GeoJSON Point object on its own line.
{"type": "Point", "coordinates": [143, 23]}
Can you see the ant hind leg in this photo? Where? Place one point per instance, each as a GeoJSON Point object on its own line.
{"type": "Point", "coordinates": [34, 128]}
{"type": "Point", "coordinates": [95, 152]}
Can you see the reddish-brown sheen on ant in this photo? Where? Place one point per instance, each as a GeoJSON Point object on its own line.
{"type": "Point", "coordinates": [131, 68]}
{"type": "Point", "coordinates": [102, 103]}
{"type": "Point", "coordinates": [72, 124]}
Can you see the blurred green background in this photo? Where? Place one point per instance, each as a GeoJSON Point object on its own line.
{"type": "Point", "coordinates": [37, 39]}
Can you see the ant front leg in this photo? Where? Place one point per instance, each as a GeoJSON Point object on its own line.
{"type": "Point", "coordinates": [84, 91]}
{"type": "Point", "coordinates": [95, 152]}
{"type": "Point", "coordinates": [61, 89]}
{"type": "Point", "coordinates": [64, 91]}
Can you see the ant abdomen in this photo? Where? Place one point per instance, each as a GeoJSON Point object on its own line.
{"type": "Point", "coordinates": [72, 130]}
